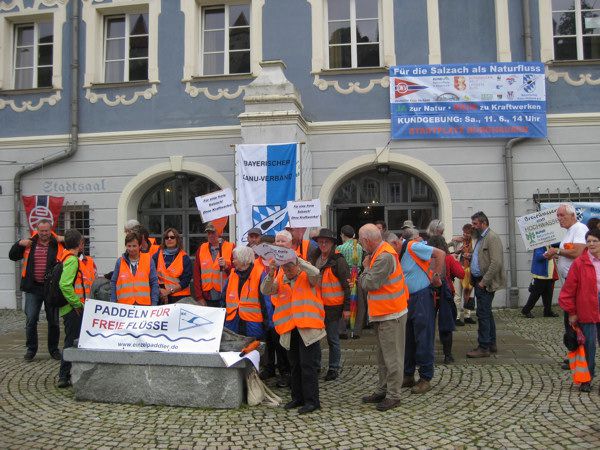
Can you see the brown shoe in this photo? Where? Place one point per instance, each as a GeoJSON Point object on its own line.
{"type": "Point", "coordinates": [421, 387]}
{"type": "Point", "coordinates": [387, 403]}
{"type": "Point", "coordinates": [408, 381]}
{"type": "Point", "coordinates": [479, 352]}
{"type": "Point", "coordinates": [373, 398]}
{"type": "Point", "coordinates": [493, 348]}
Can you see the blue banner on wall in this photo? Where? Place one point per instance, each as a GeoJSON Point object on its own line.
{"type": "Point", "coordinates": [467, 101]}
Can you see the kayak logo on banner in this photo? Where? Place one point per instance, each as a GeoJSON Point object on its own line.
{"type": "Point", "coordinates": [189, 320]}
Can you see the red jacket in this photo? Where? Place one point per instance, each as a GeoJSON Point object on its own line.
{"type": "Point", "coordinates": [454, 269]}
{"type": "Point", "coordinates": [579, 294]}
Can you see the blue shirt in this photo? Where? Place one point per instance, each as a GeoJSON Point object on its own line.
{"type": "Point", "coordinates": [416, 278]}
{"type": "Point", "coordinates": [475, 269]}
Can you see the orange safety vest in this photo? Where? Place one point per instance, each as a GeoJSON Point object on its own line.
{"type": "Point", "coordinates": [302, 249]}
{"type": "Point", "coordinates": [211, 275]}
{"type": "Point", "coordinates": [169, 276]}
{"type": "Point", "coordinates": [78, 282]}
{"type": "Point", "coordinates": [298, 306]}
{"type": "Point", "coordinates": [87, 268]}
{"type": "Point", "coordinates": [424, 265]}
{"type": "Point", "coordinates": [59, 254]}
{"type": "Point", "coordinates": [392, 296]}
{"type": "Point", "coordinates": [332, 292]}
{"type": "Point", "coordinates": [247, 304]}
{"type": "Point", "coordinates": [579, 366]}
{"type": "Point", "coordinates": [134, 289]}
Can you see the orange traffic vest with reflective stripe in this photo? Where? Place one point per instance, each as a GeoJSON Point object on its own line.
{"type": "Point", "coordinates": [169, 276]}
{"type": "Point", "coordinates": [392, 296]}
{"type": "Point", "coordinates": [579, 366]}
{"type": "Point", "coordinates": [302, 249]}
{"type": "Point", "coordinates": [247, 303]}
{"type": "Point", "coordinates": [134, 289]}
{"type": "Point", "coordinates": [424, 265]}
{"type": "Point", "coordinates": [87, 268]}
{"type": "Point", "coordinates": [211, 275]}
{"type": "Point", "coordinates": [59, 254]}
{"type": "Point", "coordinates": [298, 306]}
{"type": "Point", "coordinates": [331, 289]}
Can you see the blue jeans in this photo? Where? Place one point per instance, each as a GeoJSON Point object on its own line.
{"type": "Point", "coordinates": [486, 333]}
{"type": "Point", "coordinates": [33, 305]}
{"type": "Point", "coordinates": [332, 327]}
{"type": "Point", "coordinates": [420, 334]}
{"type": "Point", "coordinates": [591, 331]}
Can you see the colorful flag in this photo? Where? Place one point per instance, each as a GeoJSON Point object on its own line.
{"type": "Point", "coordinates": [38, 207]}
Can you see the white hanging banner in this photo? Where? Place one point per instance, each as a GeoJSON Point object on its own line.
{"type": "Point", "coordinates": [216, 205]}
{"type": "Point", "coordinates": [176, 328]}
{"type": "Point", "coordinates": [305, 214]}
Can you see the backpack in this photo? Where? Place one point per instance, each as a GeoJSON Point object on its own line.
{"type": "Point", "coordinates": [52, 291]}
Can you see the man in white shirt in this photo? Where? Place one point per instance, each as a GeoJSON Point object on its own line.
{"type": "Point", "coordinates": [572, 244]}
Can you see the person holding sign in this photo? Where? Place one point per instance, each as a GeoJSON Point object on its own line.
{"type": "Point", "coordinates": [246, 308]}
{"type": "Point", "coordinates": [174, 268]}
{"type": "Point", "coordinates": [211, 268]}
{"type": "Point", "coordinates": [299, 320]}
{"type": "Point", "coordinates": [335, 293]}
{"type": "Point", "coordinates": [73, 289]}
{"type": "Point", "coordinates": [134, 280]}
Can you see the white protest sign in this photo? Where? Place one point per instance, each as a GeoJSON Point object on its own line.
{"type": "Point", "coordinates": [216, 205]}
{"type": "Point", "coordinates": [176, 328]}
{"type": "Point", "coordinates": [304, 214]}
{"type": "Point", "coordinates": [540, 228]}
{"type": "Point", "coordinates": [281, 255]}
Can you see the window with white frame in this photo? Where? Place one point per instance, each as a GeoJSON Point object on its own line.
{"type": "Point", "coordinates": [126, 48]}
{"type": "Point", "coordinates": [353, 33]}
{"type": "Point", "coordinates": [225, 39]}
{"type": "Point", "coordinates": [33, 54]}
{"type": "Point", "coordinates": [576, 29]}
{"type": "Point", "coordinates": [77, 217]}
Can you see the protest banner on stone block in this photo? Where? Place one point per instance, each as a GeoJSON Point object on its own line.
{"type": "Point", "coordinates": [304, 214]}
{"type": "Point", "coordinates": [216, 205]}
{"type": "Point", "coordinates": [168, 328]}
{"type": "Point", "coordinates": [540, 228]}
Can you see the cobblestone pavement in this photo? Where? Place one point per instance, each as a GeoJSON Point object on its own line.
{"type": "Point", "coordinates": [517, 399]}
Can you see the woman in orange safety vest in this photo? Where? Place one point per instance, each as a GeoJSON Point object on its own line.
{"type": "Point", "coordinates": [174, 268]}
{"type": "Point", "coordinates": [134, 280]}
{"type": "Point", "coordinates": [245, 304]}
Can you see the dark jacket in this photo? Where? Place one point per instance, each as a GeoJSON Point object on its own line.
{"type": "Point", "coordinates": [340, 269]}
{"type": "Point", "coordinates": [17, 252]}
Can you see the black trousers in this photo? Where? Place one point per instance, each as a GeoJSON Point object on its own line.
{"type": "Point", "coordinates": [305, 362]}
{"type": "Point", "coordinates": [72, 322]}
{"type": "Point", "coordinates": [540, 288]}
{"type": "Point", "coordinates": [275, 355]}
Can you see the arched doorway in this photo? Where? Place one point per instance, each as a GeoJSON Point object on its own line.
{"type": "Point", "coordinates": [170, 203]}
{"type": "Point", "coordinates": [389, 194]}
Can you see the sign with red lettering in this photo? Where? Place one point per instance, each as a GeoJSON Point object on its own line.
{"type": "Point", "coordinates": [169, 328]}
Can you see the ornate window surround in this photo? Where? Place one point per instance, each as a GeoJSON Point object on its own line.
{"type": "Point", "coordinates": [17, 12]}
{"type": "Point", "coordinates": [191, 10]}
{"type": "Point", "coordinates": [319, 45]}
{"type": "Point", "coordinates": [93, 14]}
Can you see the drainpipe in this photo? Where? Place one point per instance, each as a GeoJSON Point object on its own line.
{"type": "Point", "coordinates": [513, 297]}
{"type": "Point", "coordinates": [527, 39]}
{"type": "Point", "coordinates": [73, 137]}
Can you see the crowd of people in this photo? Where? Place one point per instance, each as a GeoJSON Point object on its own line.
{"type": "Point", "coordinates": [398, 285]}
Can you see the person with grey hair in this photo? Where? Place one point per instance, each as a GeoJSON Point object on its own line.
{"type": "Point", "coordinates": [246, 308]}
{"type": "Point", "coordinates": [572, 245]}
{"type": "Point", "coordinates": [435, 228]}
{"type": "Point", "coordinates": [130, 225]}
{"type": "Point", "coordinates": [283, 238]}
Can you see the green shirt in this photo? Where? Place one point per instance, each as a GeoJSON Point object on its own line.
{"type": "Point", "coordinates": [70, 268]}
{"type": "Point", "coordinates": [347, 251]}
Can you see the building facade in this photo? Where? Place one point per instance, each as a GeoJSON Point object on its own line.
{"type": "Point", "coordinates": [144, 99]}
